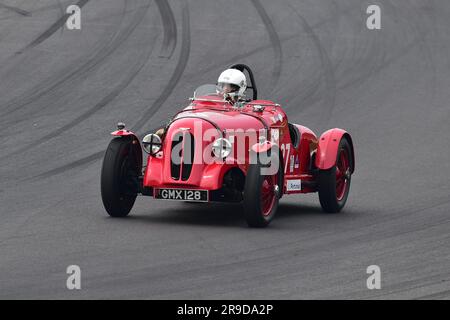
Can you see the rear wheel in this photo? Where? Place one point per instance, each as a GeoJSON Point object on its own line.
{"type": "Point", "coordinates": [261, 196]}
{"type": "Point", "coordinates": [119, 177]}
{"type": "Point", "coordinates": [334, 183]}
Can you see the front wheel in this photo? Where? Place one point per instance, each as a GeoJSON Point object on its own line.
{"type": "Point", "coordinates": [261, 196]}
{"type": "Point", "coordinates": [119, 177]}
{"type": "Point", "coordinates": [334, 183]}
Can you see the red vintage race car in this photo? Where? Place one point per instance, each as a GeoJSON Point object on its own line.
{"type": "Point", "coordinates": [232, 151]}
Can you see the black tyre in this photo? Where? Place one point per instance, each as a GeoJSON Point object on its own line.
{"type": "Point", "coordinates": [334, 183]}
{"type": "Point", "coordinates": [119, 177]}
{"type": "Point", "coordinates": [261, 196]}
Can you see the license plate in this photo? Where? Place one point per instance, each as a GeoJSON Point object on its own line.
{"type": "Point", "coordinates": [182, 194]}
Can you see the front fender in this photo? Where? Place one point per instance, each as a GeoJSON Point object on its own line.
{"type": "Point", "coordinates": [327, 149]}
{"type": "Point", "coordinates": [127, 134]}
{"type": "Point", "coordinates": [272, 151]}
{"type": "Point", "coordinates": [262, 147]}
{"type": "Point", "coordinates": [124, 133]}
{"type": "Point", "coordinates": [213, 174]}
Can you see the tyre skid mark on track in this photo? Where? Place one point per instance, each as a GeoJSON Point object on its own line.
{"type": "Point", "coordinates": [71, 75]}
{"type": "Point", "coordinates": [100, 105]}
{"type": "Point", "coordinates": [170, 28]}
{"type": "Point", "coordinates": [61, 10]}
{"type": "Point", "coordinates": [312, 88]}
{"type": "Point", "coordinates": [385, 63]}
{"type": "Point", "coordinates": [52, 29]}
{"type": "Point", "coordinates": [275, 41]}
{"type": "Point", "coordinates": [179, 70]}
{"type": "Point", "coordinates": [381, 66]}
{"type": "Point", "coordinates": [377, 67]}
{"type": "Point", "coordinates": [77, 163]}
{"type": "Point", "coordinates": [422, 33]}
{"type": "Point", "coordinates": [435, 296]}
{"type": "Point", "coordinates": [240, 56]}
{"type": "Point", "coordinates": [256, 50]}
{"type": "Point", "coordinates": [327, 76]}
{"type": "Point", "coordinates": [250, 52]}
{"type": "Point", "coordinates": [103, 102]}
{"type": "Point", "coordinates": [310, 97]}
{"type": "Point", "coordinates": [16, 10]}
{"type": "Point", "coordinates": [262, 47]}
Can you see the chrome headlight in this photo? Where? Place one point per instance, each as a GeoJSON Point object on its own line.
{"type": "Point", "coordinates": [151, 143]}
{"type": "Point", "coordinates": [221, 148]}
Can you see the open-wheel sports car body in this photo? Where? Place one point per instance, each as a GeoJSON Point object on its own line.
{"type": "Point", "coordinates": [218, 150]}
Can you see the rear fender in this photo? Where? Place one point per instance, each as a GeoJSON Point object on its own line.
{"type": "Point", "coordinates": [327, 149]}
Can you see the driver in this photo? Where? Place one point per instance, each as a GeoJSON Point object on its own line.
{"type": "Point", "coordinates": [232, 84]}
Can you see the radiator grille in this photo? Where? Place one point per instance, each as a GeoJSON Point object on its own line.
{"type": "Point", "coordinates": [182, 155]}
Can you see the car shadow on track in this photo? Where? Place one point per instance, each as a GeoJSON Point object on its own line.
{"type": "Point", "coordinates": [219, 214]}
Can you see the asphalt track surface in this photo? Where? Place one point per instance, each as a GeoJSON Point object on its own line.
{"type": "Point", "coordinates": [62, 92]}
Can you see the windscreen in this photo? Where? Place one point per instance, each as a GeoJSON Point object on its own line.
{"type": "Point", "coordinates": [208, 90]}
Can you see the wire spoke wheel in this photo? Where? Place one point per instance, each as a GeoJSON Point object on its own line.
{"type": "Point", "coordinates": [342, 172]}
{"type": "Point", "coordinates": [261, 195]}
{"type": "Point", "coordinates": [268, 193]}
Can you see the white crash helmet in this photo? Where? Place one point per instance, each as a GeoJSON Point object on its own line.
{"type": "Point", "coordinates": [236, 80]}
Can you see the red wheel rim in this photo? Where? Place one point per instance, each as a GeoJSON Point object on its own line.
{"type": "Point", "coordinates": [268, 194]}
{"type": "Point", "coordinates": [342, 174]}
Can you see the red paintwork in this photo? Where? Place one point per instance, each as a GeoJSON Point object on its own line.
{"type": "Point", "coordinates": [123, 132]}
{"type": "Point", "coordinates": [327, 150]}
{"type": "Point", "coordinates": [296, 160]}
{"type": "Point", "coordinates": [135, 141]}
{"type": "Point", "coordinates": [262, 147]}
